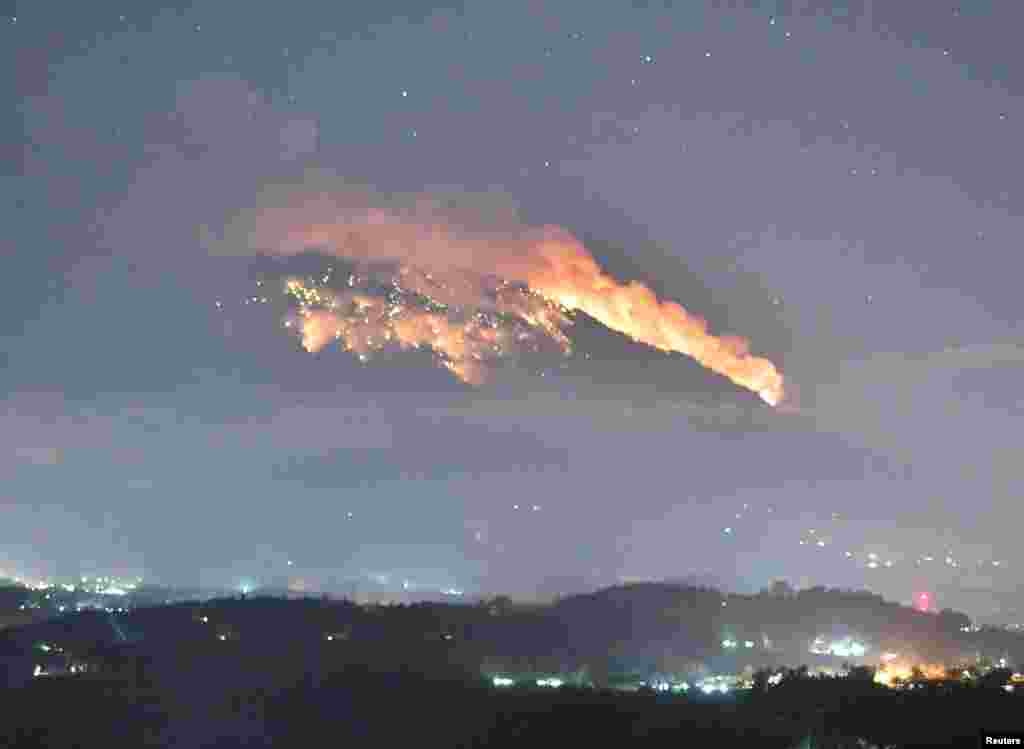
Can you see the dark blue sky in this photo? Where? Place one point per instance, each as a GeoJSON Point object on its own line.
{"type": "Point", "coordinates": [839, 182]}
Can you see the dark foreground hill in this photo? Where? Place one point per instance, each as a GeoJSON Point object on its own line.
{"type": "Point", "coordinates": [275, 672]}
{"type": "Point", "coordinates": [364, 707]}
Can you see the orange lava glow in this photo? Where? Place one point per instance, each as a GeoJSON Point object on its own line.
{"type": "Point", "coordinates": [571, 277]}
{"type": "Point", "coordinates": [464, 266]}
{"type": "Point", "coordinates": [365, 324]}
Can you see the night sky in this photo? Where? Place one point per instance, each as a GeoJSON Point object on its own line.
{"type": "Point", "coordinates": [838, 182]}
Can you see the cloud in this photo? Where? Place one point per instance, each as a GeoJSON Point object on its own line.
{"type": "Point", "coordinates": [427, 446]}
{"type": "Point", "coordinates": [40, 456]}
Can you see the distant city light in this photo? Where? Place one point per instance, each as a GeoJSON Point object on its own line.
{"type": "Point", "coordinates": [550, 682]}
{"type": "Point", "coordinates": [504, 681]}
{"type": "Point", "coordinates": [845, 648]}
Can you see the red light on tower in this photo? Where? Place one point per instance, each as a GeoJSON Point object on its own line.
{"type": "Point", "coordinates": [923, 602]}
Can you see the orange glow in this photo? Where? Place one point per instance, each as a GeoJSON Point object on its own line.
{"type": "Point", "coordinates": [550, 272]}
{"type": "Point", "coordinates": [892, 672]}
{"type": "Point", "coordinates": [572, 278]}
{"type": "Point", "coordinates": [365, 324]}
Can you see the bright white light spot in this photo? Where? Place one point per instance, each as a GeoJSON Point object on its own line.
{"type": "Point", "coordinates": [552, 682]}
